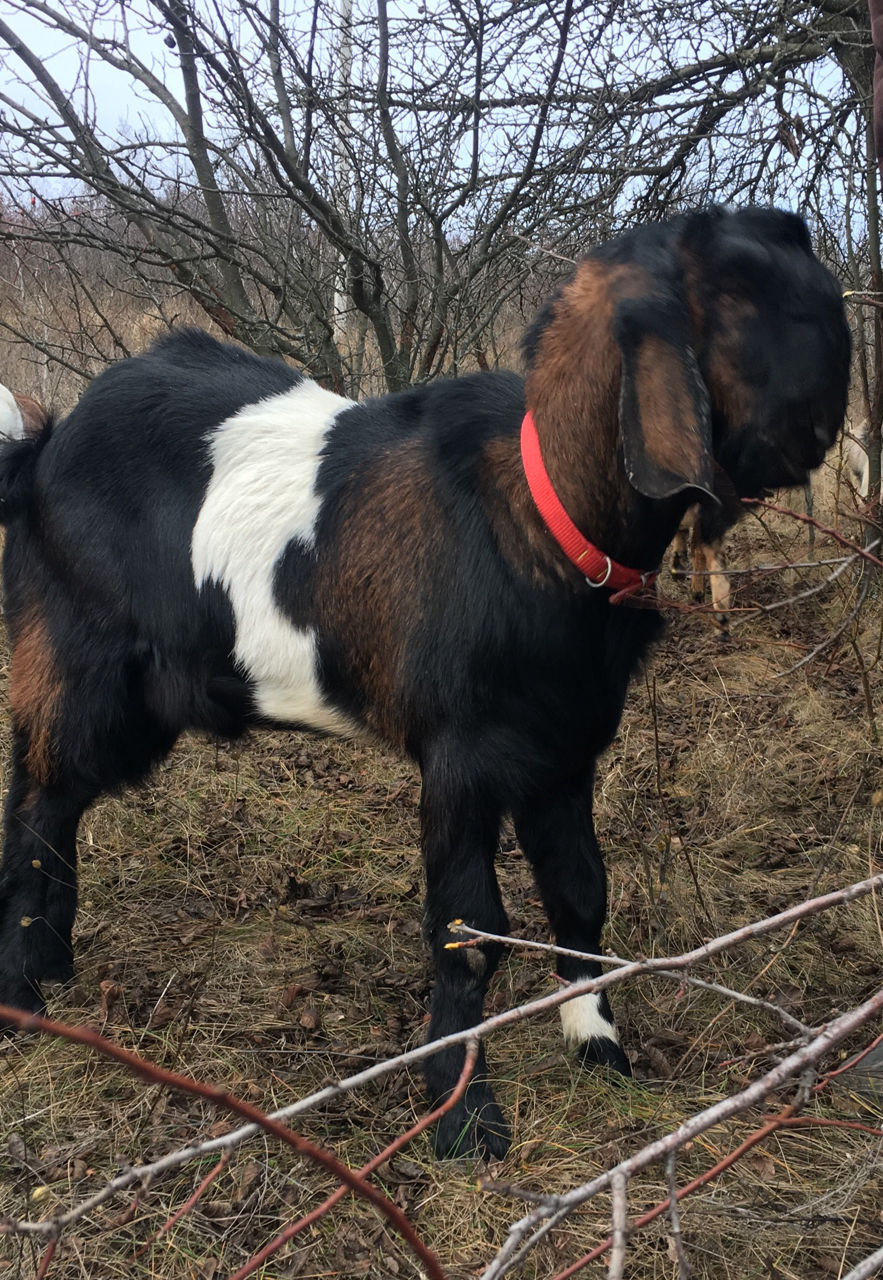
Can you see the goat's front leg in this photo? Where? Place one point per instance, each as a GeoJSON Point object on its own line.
{"type": "Point", "coordinates": [557, 835]}
{"type": "Point", "coordinates": [460, 829]}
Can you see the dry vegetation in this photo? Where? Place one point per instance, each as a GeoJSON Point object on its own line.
{"type": "Point", "coordinates": [252, 917]}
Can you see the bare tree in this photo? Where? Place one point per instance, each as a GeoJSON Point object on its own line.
{"type": "Point", "coordinates": [476, 143]}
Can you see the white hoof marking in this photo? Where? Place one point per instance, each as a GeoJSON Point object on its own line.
{"type": "Point", "coordinates": [581, 1019]}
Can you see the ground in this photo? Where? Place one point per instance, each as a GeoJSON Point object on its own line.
{"type": "Point", "coordinates": [252, 918]}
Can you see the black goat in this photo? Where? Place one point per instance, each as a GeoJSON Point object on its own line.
{"type": "Point", "coordinates": [211, 541]}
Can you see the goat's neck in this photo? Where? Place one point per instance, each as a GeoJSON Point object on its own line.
{"type": "Point", "coordinates": [573, 390]}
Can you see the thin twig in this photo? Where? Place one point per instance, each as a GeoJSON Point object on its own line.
{"type": "Point", "coordinates": [757, 610]}
{"type": "Point", "coordinates": [478, 935]}
{"type": "Point", "coordinates": [824, 528]}
{"type": "Point", "coordinates": [834, 636]}
{"type": "Point", "coordinates": [684, 1268]}
{"type": "Point", "coordinates": [366, 1169]}
{"type": "Point", "coordinates": [46, 1259]}
{"type": "Point", "coordinates": [755, 569]}
{"type": "Point", "coordinates": [848, 1066]}
{"type": "Point", "coordinates": [186, 1207]}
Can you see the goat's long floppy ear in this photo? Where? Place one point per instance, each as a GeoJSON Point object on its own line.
{"type": "Point", "coordinates": [664, 408]}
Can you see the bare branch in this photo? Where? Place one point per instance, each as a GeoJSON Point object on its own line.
{"type": "Point", "coordinates": [228, 1141]}
{"type": "Point", "coordinates": [619, 1195]}
{"type": "Point", "coordinates": [867, 1269]}
{"type": "Point", "coordinates": [525, 1233]}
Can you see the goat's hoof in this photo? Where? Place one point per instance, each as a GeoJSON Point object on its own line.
{"type": "Point", "coordinates": [601, 1051]}
{"type": "Point", "coordinates": [51, 955]}
{"type": "Point", "coordinates": [473, 1129]}
{"type": "Point", "coordinates": [22, 995]}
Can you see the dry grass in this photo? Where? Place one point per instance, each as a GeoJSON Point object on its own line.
{"type": "Point", "coordinates": [254, 916]}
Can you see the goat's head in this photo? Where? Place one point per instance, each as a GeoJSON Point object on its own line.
{"type": "Point", "coordinates": [741, 338]}
{"type": "Point", "coordinates": [772, 342]}
{"type": "Point", "coordinates": [733, 347]}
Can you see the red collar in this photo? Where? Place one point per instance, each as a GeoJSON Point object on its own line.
{"type": "Point", "coordinates": [597, 568]}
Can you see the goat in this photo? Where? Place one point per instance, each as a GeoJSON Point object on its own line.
{"type": "Point", "coordinates": [20, 415]}
{"type": "Point", "coordinates": [212, 541]}
{"type": "Point", "coordinates": [709, 565]}
{"type": "Point", "coordinates": [855, 454]}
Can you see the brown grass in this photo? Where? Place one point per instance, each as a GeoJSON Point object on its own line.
{"type": "Point", "coordinates": [254, 916]}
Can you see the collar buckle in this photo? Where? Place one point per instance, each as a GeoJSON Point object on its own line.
{"type": "Point", "coordinates": [604, 580]}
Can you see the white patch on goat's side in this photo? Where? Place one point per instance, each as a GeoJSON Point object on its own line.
{"type": "Point", "coordinates": [581, 1019]}
{"type": "Point", "coordinates": [262, 495]}
{"type": "Point", "coordinates": [12, 425]}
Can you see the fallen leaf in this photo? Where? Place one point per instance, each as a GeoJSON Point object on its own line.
{"type": "Point", "coordinates": [762, 1166]}
{"type": "Point", "coordinates": [310, 1019]}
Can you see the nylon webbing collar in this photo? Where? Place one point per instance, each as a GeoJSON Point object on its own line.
{"type": "Point", "coordinates": [597, 568]}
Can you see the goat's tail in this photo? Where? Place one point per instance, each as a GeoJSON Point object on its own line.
{"type": "Point", "coordinates": [25, 427]}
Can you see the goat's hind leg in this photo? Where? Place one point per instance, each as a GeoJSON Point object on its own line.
{"type": "Point", "coordinates": [78, 732]}
{"type": "Point", "coordinates": [558, 838]}
{"type": "Point", "coordinates": [38, 882]}
{"type": "Point", "coordinates": [698, 579]}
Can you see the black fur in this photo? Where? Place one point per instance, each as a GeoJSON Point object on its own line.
{"type": "Point", "coordinates": [445, 619]}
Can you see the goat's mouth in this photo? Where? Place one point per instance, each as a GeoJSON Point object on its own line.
{"type": "Point", "coordinates": [776, 454]}
{"type": "Point", "coordinates": [799, 461]}
{"type": "Point", "coordinates": [798, 464]}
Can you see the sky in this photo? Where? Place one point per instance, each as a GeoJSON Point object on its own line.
{"type": "Point", "coordinates": [95, 89]}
